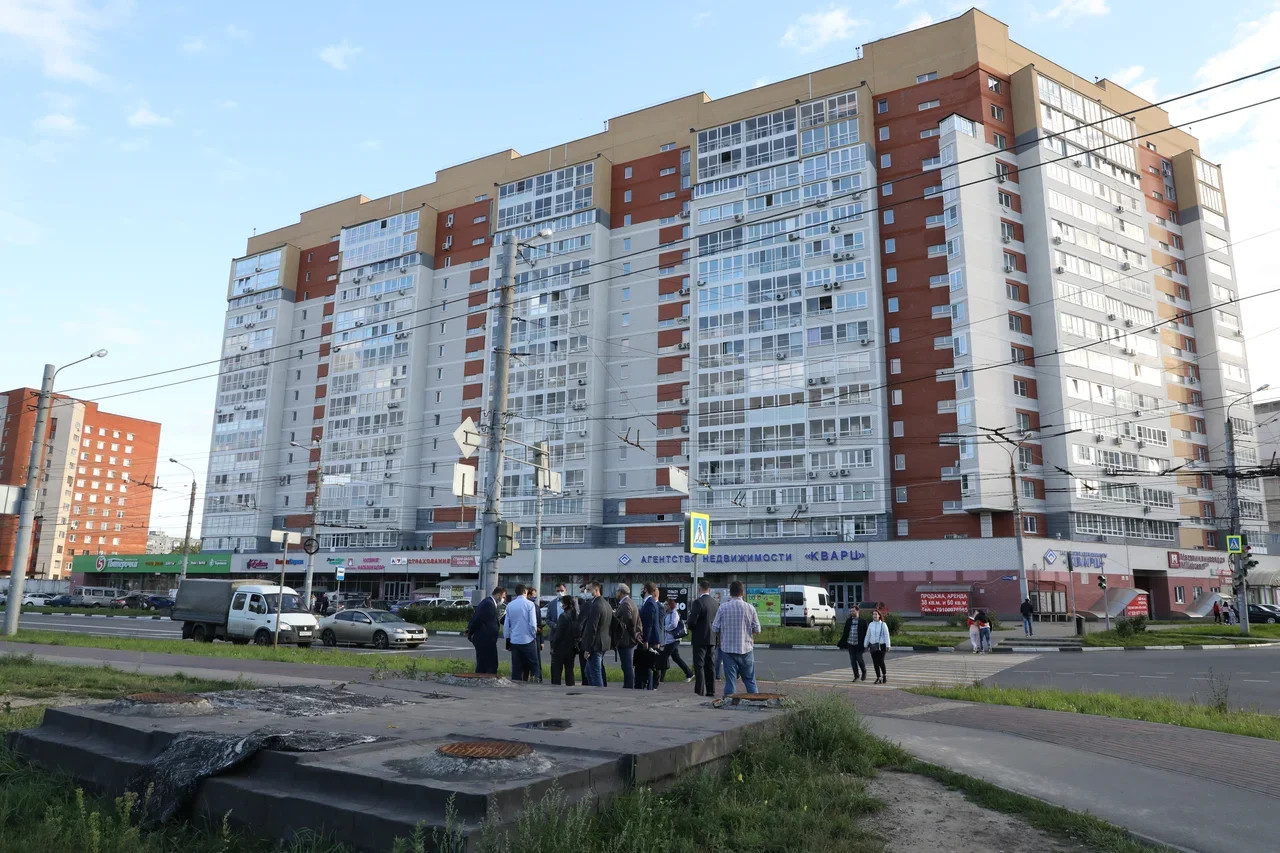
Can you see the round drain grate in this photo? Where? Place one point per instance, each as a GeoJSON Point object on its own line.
{"type": "Point", "coordinates": [475, 675]}
{"type": "Point", "coordinates": [756, 697]}
{"type": "Point", "coordinates": [485, 749]}
{"type": "Point", "coordinates": [164, 698]}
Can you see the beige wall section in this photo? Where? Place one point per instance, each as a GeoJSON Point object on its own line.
{"type": "Point", "coordinates": [1186, 185]}
{"type": "Point", "coordinates": [886, 64]}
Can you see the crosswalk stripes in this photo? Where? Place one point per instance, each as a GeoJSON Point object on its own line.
{"type": "Point", "coordinates": [922, 670]}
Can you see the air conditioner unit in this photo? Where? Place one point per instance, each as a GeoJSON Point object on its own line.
{"type": "Point", "coordinates": [1057, 241]}
{"type": "Point", "coordinates": [1110, 472]}
{"type": "Point", "coordinates": [1059, 270]}
{"type": "Point", "coordinates": [738, 217]}
{"type": "Point", "coordinates": [813, 381]}
{"type": "Point", "coordinates": [390, 451]}
{"type": "Point", "coordinates": [1000, 179]}
{"type": "Point", "coordinates": [831, 439]}
{"type": "Point", "coordinates": [1099, 437]}
{"type": "Point", "coordinates": [1111, 316]}
{"type": "Point", "coordinates": [357, 279]}
{"type": "Point", "coordinates": [782, 356]}
{"type": "Point", "coordinates": [1126, 266]}
{"type": "Point", "coordinates": [1023, 466]}
{"type": "Point", "coordinates": [866, 342]}
{"type": "Point", "coordinates": [577, 491]}
{"type": "Point", "coordinates": [387, 476]}
{"type": "Point", "coordinates": [377, 297]}
{"type": "Point", "coordinates": [1006, 239]}
{"type": "Point", "coordinates": [684, 428]}
{"type": "Point", "coordinates": [528, 218]}
{"type": "Point", "coordinates": [250, 325]}
{"type": "Point", "coordinates": [682, 345]}
{"type": "Point", "coordinates": [579, 407]}
{"type": "Point", "coordinates": [1077, 163]}
{"type": "Point", "coordinates": [683, 320]}
{"type": "Point", "coordinates": [771, 509]}
{"type": "Point", "coordinates": [1142, 444]}
{"type": "Point", "coordinates": [359, 322]}
{"type": "Point", "coordinates": [257, 269]}
{"type": "Point", "coordinates": [684, 291]}
{"type": "Point", "coordinates": [447, 244]}
{"type": "Point", "coordinates": [778, 297]}
{"type": "Point", "coordinates": [393, 405]}
{"type": "Point", "coordinates": [834, 474]}
{"type": "Point", "coordinates": [825, 380]}
{"type": "Point", "coordinates": [1117, 440]}
{"type": "Point", "coordinates": [794, 238]}
{"type": "Point", "coordinates": [835, 285]}
{"type": "Point", "coordinates": [684, 214]}
{"type": "Point", "coordinates": [582, 382]}
{"type": "Point", "coordinates": [826, 286]}
{"type": "Point", "coordinates": [1128, 322]}
{"type": "Point", "coordinates": [1129, 351]}
{"type": "Point", "coordinates": [813, 475]}
{"type": "Point", "coordinates": [822, 202]}
{"type": "Point", "coordinates": [844, 472]}
{"type": "Point", "coordinates": [835, 229]}
{"type": "Point", "coordinates": [582, 433]}
{"type": "Point", "coordinates": [1119, 208]}
{"type": "Point", "coordinates": [684, 399]}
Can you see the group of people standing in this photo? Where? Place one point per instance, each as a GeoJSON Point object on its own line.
{"type": "Point", "coordinates": [980, 632]}
{"type": "Point", "coordinates": [862, 635]}
{"type": "Point", "coordinates": [645, 637]}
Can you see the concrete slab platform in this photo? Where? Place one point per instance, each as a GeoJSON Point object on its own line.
{"type": "Point", "coordinates": [586, 742]}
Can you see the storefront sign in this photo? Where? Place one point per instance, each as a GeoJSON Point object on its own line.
{"type": "Point", "coordinates": [1137, 607]}
{"type": "Point", "coordinates": [1088, 560]}
{"type": "Point", "coordinates": [842, 555]}
{"type": "Point", "coordinates": [1197, 561]}
{"type": "Point", "coordinates": [768, 604]}
{"type": "Point", "coordinates": [166, 564]}
{"type": "Point", "coordinates": [944, 602]}
{"type": "Point", "coordinates": [463, 562]}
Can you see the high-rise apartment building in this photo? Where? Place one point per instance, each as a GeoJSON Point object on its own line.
{"type": "Point", "coordinates": [94, 496]}
{"type": "Point", "coordinates": [864, 304]}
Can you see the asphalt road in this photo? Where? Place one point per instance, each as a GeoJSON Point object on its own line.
{"type": "Point", "coordinates": [1251, 678]}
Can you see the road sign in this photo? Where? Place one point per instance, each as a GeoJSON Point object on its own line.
{"type": "Point", "coordinates": [464, 480]}
{"type": "Point", "coordinates": [310, 545]}
{"type": "Point", "coordinates": [698, 535]}
{"type": "Point", "coordinates": [1008, 577]}
{"type": "Point", "coordinates": [678, 479]}
{"type": "Point", "coordinates": [341, 573]}
{"type": "Point", "coordinates": [468, 437]}
{"type": "Point", "coordinates": [1235, 544]}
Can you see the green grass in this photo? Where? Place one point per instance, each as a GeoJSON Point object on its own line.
{"type": "Point", "coordinates": [797, 636]}
{"type": "Point", "coordinates": [1170, 637]}
{"type": "Point", "coordinates": [1194, 715]}
{"type": "Point", "coordinates": [22, 675]}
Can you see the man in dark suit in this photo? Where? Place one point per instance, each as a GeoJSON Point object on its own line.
{"type": "Point", "coordinates": [646, 656]}
{"type": "Point", "coordinates": [701, 614]}
{"type": "Point", "coordinates": [595, 635]}
{"type": "Point", "coordinates": [483, 631]}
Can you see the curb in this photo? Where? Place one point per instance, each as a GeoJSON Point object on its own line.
{"type": "Point", "coordinates": [1023, 650]}
{"type": "Point", "coordinates": [99, 615]}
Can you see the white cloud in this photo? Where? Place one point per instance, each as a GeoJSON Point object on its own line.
{"type": "Point", "coordinates": [1069, 10]}
{"type": "Point", "coordinates": [1132, 79]}
{"type": "Point", "coordinates": [235, 33]}
{"type": "Point", "coordinates": [701, 18]}
{"type": "Point", "coordinates": [56, 123]}
{"type": "Point", "coordinates": [922, 19]}
{"type": "Point", "coordinates": [227, 104]}
{"type": "Point", "coordinates": [337, 55]}
{"type": "Point", "coordinates": [144, 116]}
{"type": "Point", "coordinates": [194, 44]}
{"type": "Point", "coordinates": [370, 145]}
{"type": "Point", "coordinates": [62, 33]}
{"type": "Point", "coordinates": [813, 31]}
{"type": "Point", "coordinates": [18, 231]}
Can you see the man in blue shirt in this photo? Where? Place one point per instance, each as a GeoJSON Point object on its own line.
{"type": "Point", "coordinates": [521, 631]}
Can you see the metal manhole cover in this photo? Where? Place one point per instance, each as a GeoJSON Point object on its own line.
{"type": "Point", "coordinates": [757, 697]}
{"type": "Point", "coordinates": [486, 749]}
{"type": "Point", "coordinates": [164, 698]}
{"type": "Point", "coordinates": [475, 675]}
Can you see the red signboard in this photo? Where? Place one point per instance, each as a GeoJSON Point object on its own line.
{"type": "Point", "coordinates": [1137, 607]}
{"type": "Point", "coordinates": [944, 602]}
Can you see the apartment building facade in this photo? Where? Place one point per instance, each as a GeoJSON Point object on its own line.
{"type": "Point", "coordinates": [885, 301]}
{"type": "Point", "coordinates": [94, 494]}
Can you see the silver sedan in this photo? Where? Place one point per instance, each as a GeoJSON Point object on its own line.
{"type": "Point", "coordinates": [364, 626]}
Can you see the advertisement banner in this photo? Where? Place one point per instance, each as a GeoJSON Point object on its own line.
{"type": "Point", "coordinates": [139, 564]}
{"type": "Point", "coordinates": [768, 604]}
{"type": "Point", "coordinates": [1137, 607]}
{"type": "Point", "coordinates": [944, 602]}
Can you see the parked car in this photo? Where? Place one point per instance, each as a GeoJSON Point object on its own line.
{"type": "Point", "coordinates": [1264, 613]}
{"type": "Point", "coordinates": [807, 605]}
{"type": "Point", "coordinates": [369, 627]}
{"type": "Point", "coordinates": [63, 600]}
{"type": "Point", "coordinates": [36, 599]}
{"type": "Point", "coordinates": [143, 601]}
{"type": "Point", "coordinates": [95, 596]}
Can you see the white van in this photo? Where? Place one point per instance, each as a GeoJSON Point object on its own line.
{"type": "Point", "coordinates": [95, 596]}
{"type": "Point", "coordinates": [807, 605]}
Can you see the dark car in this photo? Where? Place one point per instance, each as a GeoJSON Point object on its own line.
{"type": "Point", "coordinates": [63, 600]}
{"type": "Point", "coordinates": [1264, 613]}
{"type": "Point", "coordinates": [142, 601]}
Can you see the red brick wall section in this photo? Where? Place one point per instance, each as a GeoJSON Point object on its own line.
{"type": "Point", "coordinates": [314, 269]}
{"type": "Point", "coordinates": [646, 185]}
{"type": "Point", "coordinates": [463, 231]}
{"type": "Point", "coordinates": [668, 534]}
{"type": "Point", "coordinates": [453, 539]}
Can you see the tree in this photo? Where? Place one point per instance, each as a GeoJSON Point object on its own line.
{"type": "Point", "coordinates": [194, 549]}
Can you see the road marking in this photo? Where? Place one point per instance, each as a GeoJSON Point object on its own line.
{"type": "Point", "coordinates": [1104, 675]}
{"type": "Point", "coordinates": [922, 671]}
{"type": "Point", "coordinates": [1152, 676]}
{"type": "Point", "coordinates": [1255, 681]}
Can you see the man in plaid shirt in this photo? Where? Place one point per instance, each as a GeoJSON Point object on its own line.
{"type": "Point", "coordinates": [737, 623]}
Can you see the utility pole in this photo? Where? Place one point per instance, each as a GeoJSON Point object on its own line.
{"type": "Point", "coordinates": [1017, 529]}
{"type": "Point", "coordinates": [1233, 510]}
{"type": "Point", "coordinates": [498, 418]}
{"type": "Point", "coordinates": [27, 508]}
{"type": "Point", "coordinates": [541, 479]}
{"type": "Point", "coordinates": [191, 511]}
{"type": "Point", "coordinates": [315, 515]}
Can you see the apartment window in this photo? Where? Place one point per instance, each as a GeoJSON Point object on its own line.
{"type": "Point", "coordinates": [899, 429]}
{"type": "Point", "coordinates": [1028, 488]}
{"type": "Point", "coordinates": [886, 188]}
{"type": "Point", "coordinates": [626, 196]}
{"type": "Point", "coordinates": [994, 85]}
{"type": "Point", "coordinates": [1020, 388]}
{"type": "Point", "coordinates": [667, 146]}
{"type": "Point", "coordinates": [892, 305]}
{"type": "Point", "coordinates": [622, 481]}
{"type": "Point", "coordinates": [626, 244]}
{"type": "Point", "coordinates": [997, 112]}
{"type": "Point", "coordinates": [890, 246]}
{"type": "Point", "coordinates": [484, 217]}
{"type": "Point", "coordinates": [1024, 422]}
{"type": "Point", "coordinates": [928, 105]}
{"type": "Point", "coordinates": [930, 132]}
{"type": "Point", "coordinates": [1179, 595]}
{"type": "Point", "coordinates": [999, 140]}
{"type": "Point", "coordinates": [1013, 292]}
{"type": "Point", "coordinates": [1030, 524]}
{"type": "Point", "coordinates": [626, 219]}
{"type": "Point", "coordinates": [899, 461]}
{"type": "Point", "coordinates": [666, 196]}
{"type": "Point", "coordinates": [1006, 231]}
{"type": "Point", "coordinates": [902, 527]}
{"type": "Point", "coordinates": [883, 133]}
{"type": "Point", "coordinates": [895, 335]}
{"type": "Point", "coordinates": [626, 318]}
{"type": "Point", "coordinates": [895, 365]}
{"type": "Point", "coordinates": [626, 173]}
{"type": "Point", "coordinates": [888, 217]}
{"type": "Point", "coordinates": [1017, 323]}
{"type": "Point", "coordinates": [1006, 200]}
{"type": "Point", "coordinates": [1010, 262]}
{"type": "Point", "coordinates": [925, 78]}
{"type": "Point", "coordinates": [1002, 170]}
{"type": "Point", "coordinates": [900, 494]}
{"type": "Point", "coordinates": [890, 275]}
{"type": "Point", "coordinates": [882, 105]}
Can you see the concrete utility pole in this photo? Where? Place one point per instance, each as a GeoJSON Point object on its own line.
{"type": "Point", "coordinates": [541, 478]}
{"type": "Point", "coordinates": [498, 412]}
{"type": "Point", "coordinates": [1233, 510]}
{"type": "Point", "coordinates": [1012, 448]}
{"type": "Point", "coordinates": [315, 514]}
{"type": "Point", "coordinates": [27, 507]}
{"type": "Point", "coordinates": [191, 511]}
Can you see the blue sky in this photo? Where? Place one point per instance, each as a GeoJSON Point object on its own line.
{"type": "Point", "coordinates": [141, 143]}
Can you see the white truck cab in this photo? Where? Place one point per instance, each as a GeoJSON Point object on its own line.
{"type": "Point", "coordinates": [253, 610]}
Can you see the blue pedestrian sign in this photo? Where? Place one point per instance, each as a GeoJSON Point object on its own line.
{"type": "Point", "coordinates": [1235, 544]}
{"type": "Point", "coordinates": [698, 536]}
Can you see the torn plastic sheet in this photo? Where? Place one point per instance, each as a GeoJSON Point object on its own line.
{"type": "Point", "coordinates": [174, 775]}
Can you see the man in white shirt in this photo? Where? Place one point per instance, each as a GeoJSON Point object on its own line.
{"type": "Point", "coordinates": [737, 623]}
{"type": "Point", "coordinates": [521, 631]}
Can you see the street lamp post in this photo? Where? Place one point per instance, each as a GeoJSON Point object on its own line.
{"type": "Point", "coordinates": [315, 514]}
{"type": "Point", "coordinates": [287, 538]}
{"type": "Point", "coordinates": [27, 508]}
{"type": "Point", "coordinates": [191, 511]}
{"type": "Point", "coordinates": [1233, 509]}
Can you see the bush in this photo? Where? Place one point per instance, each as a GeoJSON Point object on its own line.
{"type": "Point", "coordinates": [894, 621]}
{"type": "Point", "coordinates": [1129, 625]}
{"type": "Point", "coordinates": [435, 615]}
{"type": "Point", "coordinates": [1139, 624]}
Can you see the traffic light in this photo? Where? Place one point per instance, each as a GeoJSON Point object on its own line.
{"type": "Point", "coordinates": [508, 538]}
{"type": "Point", "coordinates": [1247, 561]}
{"type": "Point", "coordinates": [1102, 581]}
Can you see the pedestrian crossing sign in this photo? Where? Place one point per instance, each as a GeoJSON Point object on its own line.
{"type": "Point", "coordinates": [698, 536]}
{"type": "Point", "coordinates": [1235, 544]}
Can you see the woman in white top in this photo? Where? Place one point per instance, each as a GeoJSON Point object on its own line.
{"type": "Point", "coordinates": [671, 643]}
{"type": "Point", "coordinates": [878, 643]}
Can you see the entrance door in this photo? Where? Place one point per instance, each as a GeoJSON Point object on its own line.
{"type": "Point", "coordinates": [843, 596]}
{"type": "Point", "coordinates": [393, 591]}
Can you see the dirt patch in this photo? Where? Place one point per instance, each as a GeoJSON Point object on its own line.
{"type": "Point", "coordinates": [58, 701]}
{"type": "Point", "coordinates": [921, 815]}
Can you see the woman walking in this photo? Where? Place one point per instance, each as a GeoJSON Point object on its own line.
{"type": "Point", "coordinates": [984, 632]}
{"type": "Point", "coordinates": [974, 641]}
{"type": "Point", "coordinates": [566, 635]}
{"type": "Point", "coordinates": [878, 644]}
{"type": "Point", "coordinates": [672, 630]}
{"type": "Point", "coordinates": [854, 640]}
